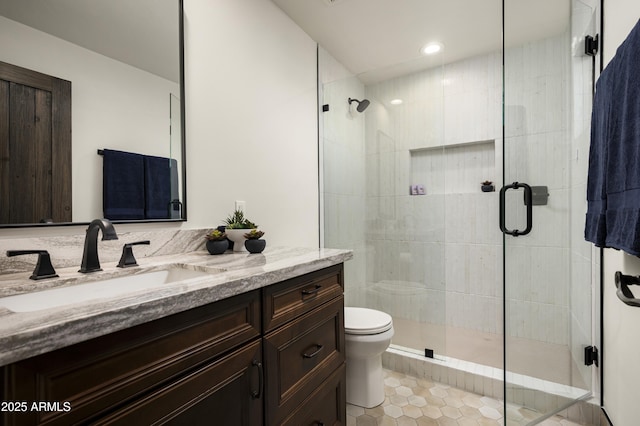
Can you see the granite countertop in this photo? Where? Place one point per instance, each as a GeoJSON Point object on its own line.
{"type": "Point", "coordinates": [26, 334]}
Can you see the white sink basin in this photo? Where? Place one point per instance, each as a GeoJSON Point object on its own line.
{"type": "Point", "coordinates": [108, 288]}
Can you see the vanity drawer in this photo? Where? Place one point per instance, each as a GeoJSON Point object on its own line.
{"type": "Point", "coordinates": [288, 300]}
{"type": "Point", "coordinates": [99, 374]}
{"type": "Point", "coordinates": [326, 406]}
{"type": "Point", "coordinates": [224, 392]}
{"type": "Point", "coordinates": [300, 356]}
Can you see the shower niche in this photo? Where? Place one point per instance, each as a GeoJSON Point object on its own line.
{"type": "Point", "coordinates": [453, 169]}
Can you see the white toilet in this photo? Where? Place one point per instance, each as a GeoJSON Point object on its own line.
{"type": "Point", "coordinates": [368, 334]}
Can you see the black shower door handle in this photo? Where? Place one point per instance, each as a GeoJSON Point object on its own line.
{"type": "Point", "coordinates": [528, 197]}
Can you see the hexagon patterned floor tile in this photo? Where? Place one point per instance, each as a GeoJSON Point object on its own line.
{"type": "Point", "coordinates": [412, 401]}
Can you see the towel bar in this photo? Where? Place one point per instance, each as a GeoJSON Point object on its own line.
{"type": "Point", "coordinates": [624, 293]}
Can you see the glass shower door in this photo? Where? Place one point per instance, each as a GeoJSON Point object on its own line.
{"type": "Point", "coordinates": [547, 263]}
{"type": "Point", "coordinates": [383, 196]}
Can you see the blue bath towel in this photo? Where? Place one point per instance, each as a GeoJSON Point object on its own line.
{"type": "Point", "coordinates": [157, 183]}
{"type": "Point", "coordinates": [122, 185]}
{"type": "Point", "coordinates": [613, 186]}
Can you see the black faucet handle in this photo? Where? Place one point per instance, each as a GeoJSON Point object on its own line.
{"type": "Point", "coordinates": [127, 259]}
{"type": "Point", "coordinates": [44, 268]}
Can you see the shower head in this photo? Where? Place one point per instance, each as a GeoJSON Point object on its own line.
{"type": "Point", "coordinates": [362, 105]}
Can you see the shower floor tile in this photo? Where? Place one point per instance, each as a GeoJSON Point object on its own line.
{"type": "Point", "coordinates": [546, 361]}
{"type": "Point", "coordinates": [412, 401]}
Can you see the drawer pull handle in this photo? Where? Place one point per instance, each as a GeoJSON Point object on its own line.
{"type": "Point", "coordinates": [314, 353]}
{"type": "Point", "coordinates": [315, 290]}
{"type": "Point", "coordinates": [318, 423]}
{"type": "Point", "coordinates": [258, 394]}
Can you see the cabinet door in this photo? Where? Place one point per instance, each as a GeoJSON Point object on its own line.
{"type": "Point", "coordinates": [228, 391]}
{"type": "Point", "coordinates": [325, 406]}
{"type": "Point", "coordinates": [300, 356]}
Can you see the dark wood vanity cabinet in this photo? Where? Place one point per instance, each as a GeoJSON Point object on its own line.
{"type": "Point", "coordinates": [271, 356]}
{"type": "Point", "coordinates": [156, 370]}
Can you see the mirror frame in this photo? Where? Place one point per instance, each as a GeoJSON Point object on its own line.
{"type": "Point", "coordinates": [183, 174]}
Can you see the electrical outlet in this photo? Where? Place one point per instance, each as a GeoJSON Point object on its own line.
{"type": "Point", "coordinates": [241, 205]}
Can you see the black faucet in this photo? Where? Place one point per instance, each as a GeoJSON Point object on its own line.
{"type": "Point", "coordinates": [90, 261]}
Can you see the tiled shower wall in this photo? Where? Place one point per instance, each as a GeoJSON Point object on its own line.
{"type": "Point", "coordinates": [444, 245]}
{"type": "Point", "coordinates": [537, 152]}
{"type": "Point", "coordinates": [453, 228]}
{"type": "Point", "coordinates": [437, 257]}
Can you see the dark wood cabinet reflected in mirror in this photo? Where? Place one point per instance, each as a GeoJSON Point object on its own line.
{"type": "Point", "coordinates": [123, 63]}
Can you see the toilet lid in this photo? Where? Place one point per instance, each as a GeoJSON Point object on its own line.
{"type": "Point", "coordinates": [366, 321]}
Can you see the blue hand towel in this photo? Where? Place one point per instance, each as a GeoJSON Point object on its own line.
{"type": "Point", "coordinates": [122, 185]}
{"type": "Point", "coordinates": [157, 183]}
{"type": "Point", "coordinates": [613, 186]}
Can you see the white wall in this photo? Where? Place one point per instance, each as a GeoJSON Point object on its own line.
{"type": "Point", "coordinates": [621, 346]}
{"type": "Point", "coordinates": [250, 122]}
{"type": "Point", "coordinates": [251, 96]}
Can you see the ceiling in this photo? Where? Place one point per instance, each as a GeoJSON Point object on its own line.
{"type": "Point", "coordinates": [381, 39]}
{"type": "Point", "coordinates": [374, 39]}
{"type": "Point", "coordinates": [142, 33]}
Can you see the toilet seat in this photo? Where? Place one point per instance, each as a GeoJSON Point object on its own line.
{"type": "Point", "coordinates": [363, 321]}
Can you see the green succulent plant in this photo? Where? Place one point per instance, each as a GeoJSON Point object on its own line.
{"type": "Point", "coordinates": [215, 235]}
{"type": "Point", "coordinates": [236, 220]}
{"type": "Point", "coordinates": [254, 234]}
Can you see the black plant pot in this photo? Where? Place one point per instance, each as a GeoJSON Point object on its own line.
{"type": "Point", "coordinates": [255, 246]}
{"type": "Point", "coordinates": [488, 188]}
{"type": "Point", "coordinates": [217, 247]}
{"type": "Point", "coordinates": [223, 228]}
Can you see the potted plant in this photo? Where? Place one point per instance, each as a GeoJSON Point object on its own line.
{"type": "Point", "coordinates": [217, 242]}
{"type": "Point", "coordinates": [487, 186]}
{"type": "Point", "coordinates": [236, 225]}
{"type": "Point", "coordinates": [253, 243]}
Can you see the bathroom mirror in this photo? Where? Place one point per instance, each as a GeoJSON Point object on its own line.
{"type": "Point", "coordinates": [123, 60]}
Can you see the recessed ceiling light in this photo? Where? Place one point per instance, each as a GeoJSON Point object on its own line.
{"type": "Point", "coordinates": [431, 48]}
{"type": "Point", "coordinates": [395, 101]}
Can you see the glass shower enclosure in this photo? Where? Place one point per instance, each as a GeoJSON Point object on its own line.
{"type": "Point", "coordinates": [434, 187]}
{"type": "Point", "coordinates": [548, 277]}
